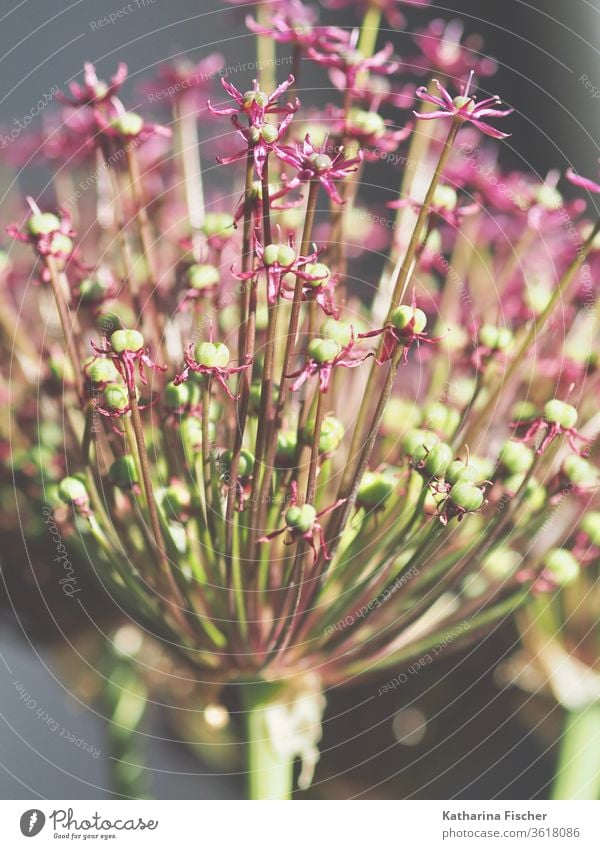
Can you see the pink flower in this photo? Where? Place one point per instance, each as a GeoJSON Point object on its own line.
{"type": "Point", "coordinates": [277, 260]}
{"type": "Point", "coordinates": [260, 140]}
{"type": "Point", "coordinates": [323, 356]}
{"type": "Point", "coordinates": [406, 327]}
{"type": "Point", "coordinates": [351, 63]}
{"type": "Point", "coordinates": [126, 126]}
{"type": "Point", "coordinates": [389, 8]}
{"type": "Point", "coordinates": [558, 418]}
{"type": "Point", "coordinates": [126, 348]}
{"type": "Point", "coordinates": [464, 108]}
{"type": "Point", "coordinates": [296, 24]}
{"type": "Point", "coordinates": [302, 522]}
{"type": "Point", "coordinates": [179, 81]}
{"type": "Point", "coordinates": [582, 182]}
{"type": "Point", "coordinates": [211, 360]}
{"type": "Point", "coordinates": [256, 104]}
{"type": "Point", "coordinates": [313, 163]}
{"type": "Point", "coordinates": [440, 44]}
{"type": "Point", "coordinates": [94, 91]}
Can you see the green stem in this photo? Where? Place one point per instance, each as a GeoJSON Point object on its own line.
{"type": "Point", "coordinates": [578, 769]}
{"type": "Point", "coordinates": [269, 772]}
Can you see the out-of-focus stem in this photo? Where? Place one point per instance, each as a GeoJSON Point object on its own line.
{"type": "Point", "coordinates": [578, 770]}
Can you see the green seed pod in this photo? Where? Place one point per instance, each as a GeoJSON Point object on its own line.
{"type": "Point", "coordinates": [501, 563]}
{"type": "Point", "coordinates": [516, 457]}
{"type": "Point", "coordinates": [115, 397]}
{"type": "Point", "coordinates": [92, 290]}
{"type": "Point", "coordinates": [117, 317]}
{"type": "Point", "coordinates": [320, 272]}
{"type": "Point", "coordinates": [418, 443]}
{"type": "Point", "coordinates": [301, 518]}
{"type": "Point", "coordinates": [523, 411]}
{"type": "Point", "coordinates": [126, 340]}
{"type": "Point", "coordinates": [176, 499]}
{"type": "Point", "coordinates": [561, 414]}
{"type": "Point", "coordinates": [375, 489]}
{"type": "Point", "coordinates": [61, 244]}
{"type": "Point", "coordinates": [339, 331]}
{"type": "Point", "coordinates": [269, 133]}
{"type": "Point", "coordinates": [218, 224]}
{"type": "Point", "coordinates": [202, 276]}
{"type": "Point", "coordinates": [42, 223]}
{"type": "Point", "coordinates": [563, 567]}
{"type": "Point", "coordinates": [128, 124]}
{"type": "Point", "coordinates": [286, 447]}
{"type": "Point", "coordinates": [401, 415]}
{"type": "Point", "coordinates": [534, 496]}
{"type": "Point", "coordinates": [323, 350]}
{"type": "Point", "coordinates": [123, 472]}
{"type": "Point", "coordinates": [366, 123]}
{"type": "Point", "coordinates": [177, 396]}
{"type": "Point", "coordinates": [212, 354]}
{"type": "Point", "coordinates": [102, 370]}
{"type": "Point", "coordinates": [403, 315]}
{"type": "Point", "coordinates": [495, 338]}
{"type": "Point", "coordinates": [71, 490]}
{"type": "Point", "coordinates": [320, 162]}
{"type": "Point", "coordinates": [441, 418]}
{"type": "Point", "coordinates": [245, 463]}
{"type": "Point", "coordinates": [466, 496]}
{"type": "Point", "coordinates": [191, 432]}
{"type": "Point", "coordinates": [590, 525]}
{"type": "Point", "coordinates": [259, 97]}
{"type": "Point", "coordinates": [458, 470]}
{"type": "Point", "coordinates": [438, 460]}
{"type": "Point", "coordinates": [332, 433]}
{"type": "Point", "coordinates": [580, 471]}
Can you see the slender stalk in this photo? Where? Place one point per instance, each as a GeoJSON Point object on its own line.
{"type": "Point", "coordinates": [578, 770]}
{"type": "Point", "coordinates": [270, 772]}
{"type": "Point", "coordinates": [69, 324]}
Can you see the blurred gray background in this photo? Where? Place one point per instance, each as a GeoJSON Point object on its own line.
{"type": "Point", "coordinates": [547, 51]}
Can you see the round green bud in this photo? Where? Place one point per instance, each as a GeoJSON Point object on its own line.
{"type": "Point", "coordinates": [401, 415]}
{"type": "Point", "coordinates": [438, 460]}
{"type": "Point", "coordinates": [458, 470]}
{"type": "Point", "coordinates": [323, 350]}
{"type": "Point", "coordinates": [332, 433]}
{"type": "Point", "coordinates": [117, 318]}
{"type": "Point", "coordinates": [217, 223]}
{"type": "Point", "coordinates": [367, 123]}
{"type": "Point", "coordinates": [72, 490]}
{"type": "Point", "coordinates": [562, 566]}
{"type": "Point", "coordinates": [495, 338]}
{"type": "Point", "coordinates": [128, 124]}
{"type": "Point", "coordinates": [42, 223]}
{"type": "Point", "coordinates": [259, 97]}
{"type": "Point", "coordinates": [320, 162]}
{"type": "Point", "coordinates": [269, 133]}
{"type": "Point", "coordinates": [245, 463]}
{"type": "Point", "coordinates": [590, 525]}
{"type": "Point", "coordinates": [418, 443]}
{"type": "Point", "coordinates": [516, 457]}
{"type": "Point", "coordinates": [339, 331]}
{"type": "Point", "coordinates": [180, 395]}
{"type": "Point", "coordinates": [461, 101]}
{"type": "Point", "coordinates": [301, 518]}
{"type": "Point", "coordinates": [501, 563]}
{"type": "Point", "coordinates": [126, 340]}
{"type": "Point", "coordinates": [176, 499]}
{"type": "Point", "coordinates": [579, 471]}
{"type": "Point", "coordinates": [466, 496]}
{"type": "Point", "coordinates": [202, 276]}
{"type": "Point", "coordinates": [445, 197]}
{"type": "Point", "coordinates": [102, 370]}
{"type": "Point", "coordinates": [441, 418]}
{"type": "Point", "coordinates": [123, 472]}
{"type": "Point", "coordinates": [523, 411]}
{"type": "Point", "coordinates": [561, 414]}
{"type": "Point", "coordinates": [61, 244]}
{"type": "Point", "coordinates": [281, 254]}
{"type": "Point", "coordinates": [92, 290]}
{"type": "Point", "coordinates": [319, 271]}
{"type": "Point", "coordinates": [538, 296]}
{"type": "Point", "coordinates": [286, 446]}
{"type": "Point", "coordinates": [212, 354]}
{"type": "Point", "coordinates": [115, 397]}
{"type": "Point", "coordinates": [374, 490]}
{"type": "Point", "coordinates": [412, 320]}
{"type": "Point", "coordinates": [191, 432]}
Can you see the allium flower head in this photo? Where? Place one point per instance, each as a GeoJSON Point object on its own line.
{"type": "Point", "coordinates": [296, 24]}
{"type": "Point", "coordinates": [463, 108]}
{"type": "Point", "coordinates": [256, 104]}
{"type": "Point", "coordinates": [315, 163]}
{"type": "Point", "coordinates": [94, 92]}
